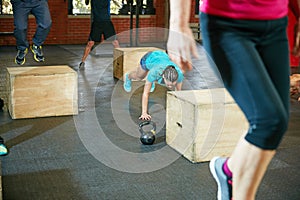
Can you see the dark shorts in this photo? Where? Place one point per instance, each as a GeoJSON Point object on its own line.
{"type": "Point", "coordinates": [143, 61]}
{"type": "Point", "coordinates": [106, 28]}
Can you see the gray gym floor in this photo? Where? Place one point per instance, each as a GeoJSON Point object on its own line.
{"type": "Point", "coordinates": [97, 154]}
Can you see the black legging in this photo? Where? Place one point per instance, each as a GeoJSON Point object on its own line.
{"type": "Point", "coordinates": [252, 58]}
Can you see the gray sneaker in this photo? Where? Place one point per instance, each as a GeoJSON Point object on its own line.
{"type": "Point", "coordinates": [37, 53]}
{"type": "Point", "coordinates": [224, 183]}
{"type": "Point", "coordinates": [20, 58]}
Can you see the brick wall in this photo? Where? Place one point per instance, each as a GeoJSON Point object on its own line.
{"type": "Point", "coordinates": [67, 29]}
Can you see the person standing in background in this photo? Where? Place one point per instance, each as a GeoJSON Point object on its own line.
{"type": "Point", "coordinates": [101, 25]}
{"type": "Point", "coordinates": [21, 11]}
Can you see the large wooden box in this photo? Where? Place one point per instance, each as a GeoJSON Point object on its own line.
{"type": "Point", "coordinates": [128, 59]}
{"type": "Point", "coordinates": [202, 124]}
{"type": "Point", "coordinates": [42, 91]}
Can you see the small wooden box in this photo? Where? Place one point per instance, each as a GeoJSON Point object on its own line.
{"type": "Point", "coordinates": [202, 124]}
{"type": "Point", "coordinates": [128, 59]}
{"type": "Point", "coordinates": [42, 91]}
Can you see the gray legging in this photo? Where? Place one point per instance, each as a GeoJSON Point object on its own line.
{"type": "Point", "coordinates": [252, 58]}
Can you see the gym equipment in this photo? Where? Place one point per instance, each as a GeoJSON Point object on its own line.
{"type": "Point", "coordinates": [50, 91]}
{"type": "Point", "coordinates": [201, 124]}
{"type": "Point", "coordinates": [127, 59]}
{"type": "Point", "coordinates": [147, 137]}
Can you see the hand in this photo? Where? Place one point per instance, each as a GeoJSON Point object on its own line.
{"type": "Point", "coordinates": [145, 116]}
{"type": "Point", "coordinates": [181, 45]}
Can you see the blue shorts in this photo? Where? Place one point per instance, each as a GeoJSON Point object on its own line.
{"type": "Point", "coordinates": [143, 61]}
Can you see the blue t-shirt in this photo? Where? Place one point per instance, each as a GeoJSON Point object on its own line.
{"type": "Point", "coordinates": [156, 62]}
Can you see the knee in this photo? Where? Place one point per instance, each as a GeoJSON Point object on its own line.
{"type": "Point", "coordinates": [279, 122]}
{"type": "Point", "coordinates": [267, 132]}
{"type": "Point", "coordinates": [20, 27]}
{"type": "Point", "coordinates": [139, 78]}
{"type": "Point", "coordinates": [49, 24]}
{"type": "Point", "coordinates": [90, 44]}
{"type": "Point", "coordinates": [45, 24]}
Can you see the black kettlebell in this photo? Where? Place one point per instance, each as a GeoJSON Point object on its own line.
{"type": "Point", "coordinates": [147, 137]}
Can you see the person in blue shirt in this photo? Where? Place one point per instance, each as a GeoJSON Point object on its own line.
{"type": "Point", "coordinates": [101, 25]}
{"type": "Point", "coordinates": [155, 66]}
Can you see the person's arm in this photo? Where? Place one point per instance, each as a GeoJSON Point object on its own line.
{"type": "Point", "coordinates": [178, 86]}
{"type": "Point", "coordinates": [145, 97]}
{"type": "Point", "coordinates": [181, 43]}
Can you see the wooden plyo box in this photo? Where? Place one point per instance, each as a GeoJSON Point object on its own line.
{"type": "Point", "coordinates": [42, 91]}
{"type": "Point", "coordinates": [202, 124]}
{"type": "Point", "coordinates": [128, 59]}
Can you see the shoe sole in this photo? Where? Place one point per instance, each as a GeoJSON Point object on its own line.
{"type": "Point", "coordinates": [37, 60]}
{"type": "Point", "coordinates": [214, 173]}
{"type": "Point", "coordinates": [22, 63]}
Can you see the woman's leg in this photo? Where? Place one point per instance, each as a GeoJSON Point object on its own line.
{"type": "Point", "coordinates": [254, 70]}
{"type": "Point", "coordinates": [138, 74]}
{"type": "Point", "coordinates": [248, 164]}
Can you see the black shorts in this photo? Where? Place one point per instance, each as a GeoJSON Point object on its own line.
{"type": "Point", "coordinates": [106, 28]}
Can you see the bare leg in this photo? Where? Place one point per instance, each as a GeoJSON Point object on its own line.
{"type": "Point", "coordinates": [87, 50]}
{"type": "Point", "coordinates": [116, 44]}
{"type": "Point", "coordinates": [138, 74]}
{"type": "Point", "coordinates": [248, 164]}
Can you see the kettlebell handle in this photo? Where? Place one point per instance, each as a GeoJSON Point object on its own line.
{"type": "Point", "coordinates": [148, 122]}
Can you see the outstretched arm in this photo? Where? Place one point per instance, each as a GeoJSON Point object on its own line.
{"type": "Point", "coordinates": [145, 97]}
{"type": "Point", "coordinates": [181, 43]}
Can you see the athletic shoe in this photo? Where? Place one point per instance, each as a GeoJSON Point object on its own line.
{"type": "Point", "coordinates": [20, 58]}
{"type": "Point", "coordinates": [3, 150]}
{"type": "Point", "coordinates": [152, 87]}
{"type": "Point", "coordinates": [127, 83]}
{"type": "Point", "coordinates": [37, 53]}
{"type": "Point", "coordinates": [81, 65]}
{"type": "Point", "coordinates": [224, 183]}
